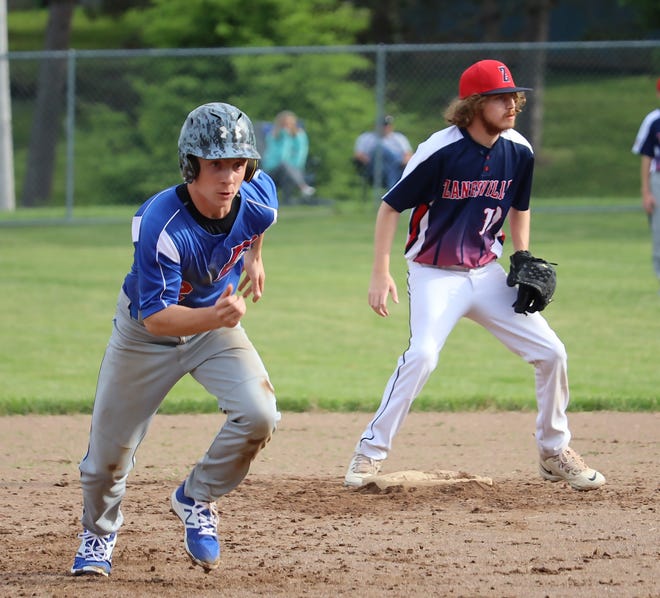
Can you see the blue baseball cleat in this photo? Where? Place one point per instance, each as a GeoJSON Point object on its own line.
{"type": "Point", "coordinates": [94, 555]}
{"type": "Point", "coordinates": [201, 533]}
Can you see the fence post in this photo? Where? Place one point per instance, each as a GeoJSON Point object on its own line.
{"type": "Point", "coordinates": [70, 132]}
{"type": "Point", "coordinates": [381, 78]}
{"type": "Point", "coordinates": [7, 192]}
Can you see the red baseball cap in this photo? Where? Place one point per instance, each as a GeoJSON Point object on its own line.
{"type": "Point", "coordinates": [487, 77]}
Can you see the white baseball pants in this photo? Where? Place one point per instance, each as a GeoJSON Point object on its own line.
{"type": "Point", "coordinates": [438, 299]}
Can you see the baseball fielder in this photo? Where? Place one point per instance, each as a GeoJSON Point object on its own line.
{"type": "Point", "coordinates": [460, 185]}
{"type": "Point", "coordinates": [647, 145]}
{"type": "Point", "coordinates": [179, 313]}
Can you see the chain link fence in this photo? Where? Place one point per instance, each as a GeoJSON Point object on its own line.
{"type": "Point", "coordinates": [100, 128]}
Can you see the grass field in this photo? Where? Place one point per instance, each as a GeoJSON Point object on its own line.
{"type": "Point", "coordinates": [321, 343]}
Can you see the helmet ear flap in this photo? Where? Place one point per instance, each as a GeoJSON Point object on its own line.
{"type": "Point", "coordinates": [190, 168]}
{"type": "Point", "coordinates": [250, 169]}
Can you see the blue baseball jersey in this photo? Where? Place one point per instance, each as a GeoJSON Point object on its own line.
{"type": "Point", "coordinates": [176, 261]}
{"type": "Point", "coordinates": [647, 142]}
{"type": "Point", "coordinates": [460, 193]}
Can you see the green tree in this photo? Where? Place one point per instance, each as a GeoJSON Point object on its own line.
{"type": "Point", "coordinates": [40, 166]}
{"type": "Point", "coordinates": [230, 23]}
{"type": "Point", "coordinates": [322, 88]}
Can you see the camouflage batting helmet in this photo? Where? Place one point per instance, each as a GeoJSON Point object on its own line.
{"type": "Point", "coordinates": [215, 131]}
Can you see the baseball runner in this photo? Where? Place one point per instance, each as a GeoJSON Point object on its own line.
{"type": "Point", "coordinates": [460, 185]}
{"type": "Point", "coordinates": [179, 312]}
{"type": "Point", "coordinates": [647, 145]}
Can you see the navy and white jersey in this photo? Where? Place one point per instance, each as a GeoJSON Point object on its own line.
{"type": "Point", "coordinates": [647, 142]}
{"type": "Point", "coordinates": [176, 261]}
{"type": "Point", "coordinates": [460, 193]}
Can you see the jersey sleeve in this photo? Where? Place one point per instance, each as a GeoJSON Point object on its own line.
{"type": "Point", "coordinates": [415, 184]}
{"type": "Point", "coordinates": [517, 150]}
{"type": "Point", "coordinates": [644, 141]}
{"type": "Point", "coordinates": [262, 189]}
{"type": "Point", "coordinates": [159, 270]}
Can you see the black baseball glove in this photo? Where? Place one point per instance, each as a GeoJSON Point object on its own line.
{"type": "Point", "coordinates": [536, 280]}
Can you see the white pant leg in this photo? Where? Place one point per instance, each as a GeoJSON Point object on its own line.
{"type": "Point", "coordinates": [655, 222]}
{"type": "Point", "coordinates": [531, 337]}
{"type": "Point", "coordinates": [438, 299]}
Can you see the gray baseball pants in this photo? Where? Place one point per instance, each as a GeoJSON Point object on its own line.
{"type": "Point", "coordinates": [137, 372]}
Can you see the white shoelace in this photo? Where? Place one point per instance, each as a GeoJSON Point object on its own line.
{"type": "Point", "coordinates": [364, 464]}
{"type": "Point", "coordinates": [571, 462]}
{"type": "Point", "coordinates": [204, 518]}
{"type": "Point", "coordinates": [96, 548]}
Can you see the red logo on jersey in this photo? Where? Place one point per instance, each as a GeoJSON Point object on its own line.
{"type": "Point", "coordinates": [236, 252]}
{"type": "Point", "coordinates": [186, 289]}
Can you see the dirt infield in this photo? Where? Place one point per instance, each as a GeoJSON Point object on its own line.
{"type": "Point", "coordinates": [292, 529]}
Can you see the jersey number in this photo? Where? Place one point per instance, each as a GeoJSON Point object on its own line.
{"type": "Point", "coordinates": [491, 217]}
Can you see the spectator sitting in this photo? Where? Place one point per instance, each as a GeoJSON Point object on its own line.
{"type": "Point", "coordinates": [395, 150]}
{"type": "Point", "coordinates": [285, 156]}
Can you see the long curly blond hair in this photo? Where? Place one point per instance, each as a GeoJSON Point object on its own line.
{"type": "Point", "coordinates": [461, 112]}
